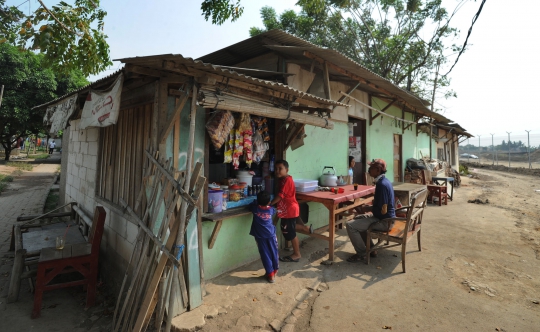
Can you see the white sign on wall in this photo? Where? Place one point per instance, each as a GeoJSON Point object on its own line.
{"type": "Point", "coordinates": [101, 108]}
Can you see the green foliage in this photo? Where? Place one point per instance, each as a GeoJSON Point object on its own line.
{"type": "Point", "coordinates": [401, 41]}
{"type": "Point", "coordinates": [69, 36]}
{"type": "Point", "coordinates": [20, 165]}
{"type": "Point", "coordinates": [463, 169]}
{"type": "Point", "coordinates": [221, 10]}
{"type": "Point", "coordinates": [39, 156]}
{"type": "Point", "coordinates": [6, 178]}
{"type": "Point", "coordinates": [27, 84]}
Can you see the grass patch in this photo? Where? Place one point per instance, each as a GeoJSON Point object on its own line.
{"type": "Point", "coordinates": [20, 166]}
{"type": "Point", "coordinates": [39, 156]}
{"type": "Point", "coordinates": [52, 201]}
{"type": "Point", "coordinates": [463, 169]}
{"type": "Point", "coordinates": [6, 178]}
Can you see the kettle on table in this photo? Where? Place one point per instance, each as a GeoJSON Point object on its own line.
{"type": "Point", "coordinates": [329, 179]}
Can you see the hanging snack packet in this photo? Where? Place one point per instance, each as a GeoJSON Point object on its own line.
{"type": "Point", "coordinates": [218, 126]}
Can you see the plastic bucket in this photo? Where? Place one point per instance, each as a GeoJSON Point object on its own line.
{"type": "Point", "coordinates": [215, 201]}
{"type": "Point", "coordinates": [245, 178]}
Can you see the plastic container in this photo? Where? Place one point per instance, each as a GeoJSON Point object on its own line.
{"type": "Point", "coordinates": [269, 185]}
{"type": "Point", "coordinates": [244, 176]}
{"type": "Point", "coordinates": [235, 193]}
{"type": "Point", "coordinates": [225, 190]}
{"type": "Point", "coordinates": [306, 189]}
{"type": "Point", "coordinates": [244, 186]}
{"type": "Point", "coordinates": [215, 201]}
{"type": "Point", "coordinates": [302, 183]}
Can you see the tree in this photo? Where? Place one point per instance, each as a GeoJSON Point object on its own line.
{"type": "Point", "coordinates": [221, 10]}
{"type": "Point", "coordinates": [28, 83]}
{"type": "Point", "coordinates": [69, 36]}
{"type": "Point", "coordinates": [402, 41]}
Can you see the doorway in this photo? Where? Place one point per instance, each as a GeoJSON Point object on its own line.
{"type": "Point", "coordinates": [397, 158]}
{"type": "Point", "coordinates": [357, 148]}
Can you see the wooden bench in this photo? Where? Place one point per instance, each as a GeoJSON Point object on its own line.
{"type": "Point", "coordinates": [39, 232]}
{"type": "Point", "coordinates": [403, 229]}
{"type": "Point", "coordinates": [81, 257]}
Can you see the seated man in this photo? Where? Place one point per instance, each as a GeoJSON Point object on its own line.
{"type": "Point", "coordinates": [383, 207]}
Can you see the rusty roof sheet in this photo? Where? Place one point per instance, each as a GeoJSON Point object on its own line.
{"type": "Point", "coordinates": [285, 43]}
{"type": "Point", "coordinates": [156, 62]}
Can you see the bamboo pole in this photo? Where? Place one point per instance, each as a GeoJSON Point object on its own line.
{"type": "Point", "coordinates": [209, 99]}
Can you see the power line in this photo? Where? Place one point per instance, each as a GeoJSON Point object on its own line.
{"type": "Point", "coordinates": [468, 34]}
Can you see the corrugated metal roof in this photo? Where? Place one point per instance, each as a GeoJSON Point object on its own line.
{"type": "Point", "coordinates": [283, 42]}
{"type": "Point", "coordinates": [95, 84]}
{"type": "Point", "coordinates": [156, 62]}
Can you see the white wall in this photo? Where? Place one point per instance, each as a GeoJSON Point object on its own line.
{"type": "Point", "coordinates": [82, 166]}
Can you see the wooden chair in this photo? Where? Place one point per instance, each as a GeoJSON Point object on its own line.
{"type": "Point", "coordinates": [402, 230]}
{"type": "Point", "coordinates": [81, 258]}
{"type": "Point", "coordinates": [368, 179]}
{"type": "Point", "coordinates": [434, 191]}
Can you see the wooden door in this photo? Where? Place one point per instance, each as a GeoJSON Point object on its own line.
{"type": "Point", "coordinates": [397, 158]}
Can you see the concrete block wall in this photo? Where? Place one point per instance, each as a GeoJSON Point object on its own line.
{"type": "Point", "coordinates": [81, 179]}
{"type": "Point", "coordinates": [82, 166]}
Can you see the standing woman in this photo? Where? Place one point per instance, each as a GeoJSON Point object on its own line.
{"type": "Point", "coordinates": [351, 168]}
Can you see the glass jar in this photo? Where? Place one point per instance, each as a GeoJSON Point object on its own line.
{"type": "Point", "coordinates": [244, 186]}
{"type": "Point", "coordinates": [236, 193]}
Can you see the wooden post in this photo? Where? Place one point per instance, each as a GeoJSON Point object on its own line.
{"type": "Point", "coordinates": [326, 81]}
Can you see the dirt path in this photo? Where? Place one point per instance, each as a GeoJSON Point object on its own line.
{"type": "Point", "coordinates": [478, 271]}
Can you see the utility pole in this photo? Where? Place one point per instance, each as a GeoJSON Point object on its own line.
{"type": "Point", "coordinates": [529, 148]}
{"type": "Point", "coordinates": [479, 148]}
{"type": "Point", "coordinates": [509, 132]}
{"type": "Point", "coordinates": [492, 149]}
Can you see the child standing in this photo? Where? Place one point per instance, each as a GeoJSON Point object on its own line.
{"type": "Point", "coordinates": [288, 210]}
{"type": "Point", "coordinates": [352, 162]}
{"type": "Point", "coordinates": [264, 231]}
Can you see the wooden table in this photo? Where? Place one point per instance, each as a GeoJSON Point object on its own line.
{"type": "Point", "coordinates": [28, 247]}
{"type": "Point", "coordinates": [405, 191]}
{"type": "Point", "coordinates": [337, 215]}
{"type": "Point", "coordinates": [443, 181]}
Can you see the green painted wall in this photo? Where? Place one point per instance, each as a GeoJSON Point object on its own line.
{"type": "Point", "coordinates": [380, 137]}
{"type": "Point", "coordinates": [234, 246]}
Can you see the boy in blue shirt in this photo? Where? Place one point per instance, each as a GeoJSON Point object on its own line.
{"type": "Point", "coordinates": [264, 231]}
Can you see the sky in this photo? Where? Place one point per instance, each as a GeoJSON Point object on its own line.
{"type": "Point", "coordinates": [495, 79]}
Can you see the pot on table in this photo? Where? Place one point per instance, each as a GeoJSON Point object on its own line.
{"type": "Point", "coordinates": [328, 179]}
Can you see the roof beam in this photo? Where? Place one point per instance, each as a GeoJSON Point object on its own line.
{"type": "Point", "coordinates": [310, 55]}
{"type": "Point", "coordinates": [172, 66]}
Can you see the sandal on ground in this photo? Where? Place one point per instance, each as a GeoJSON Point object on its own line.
{"type": "Point", "coordinates": [310, 229]}
{"type": "Point", "coordinates": [289, 259]}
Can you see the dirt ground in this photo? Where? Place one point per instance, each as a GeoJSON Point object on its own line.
{"type": "Point", "coordinates": [478, 271]}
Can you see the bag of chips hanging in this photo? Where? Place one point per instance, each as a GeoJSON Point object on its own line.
{"type": "Point", "coordinates": [259, 147]}
{"type": "Point", "coordinates": [219, 126]}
